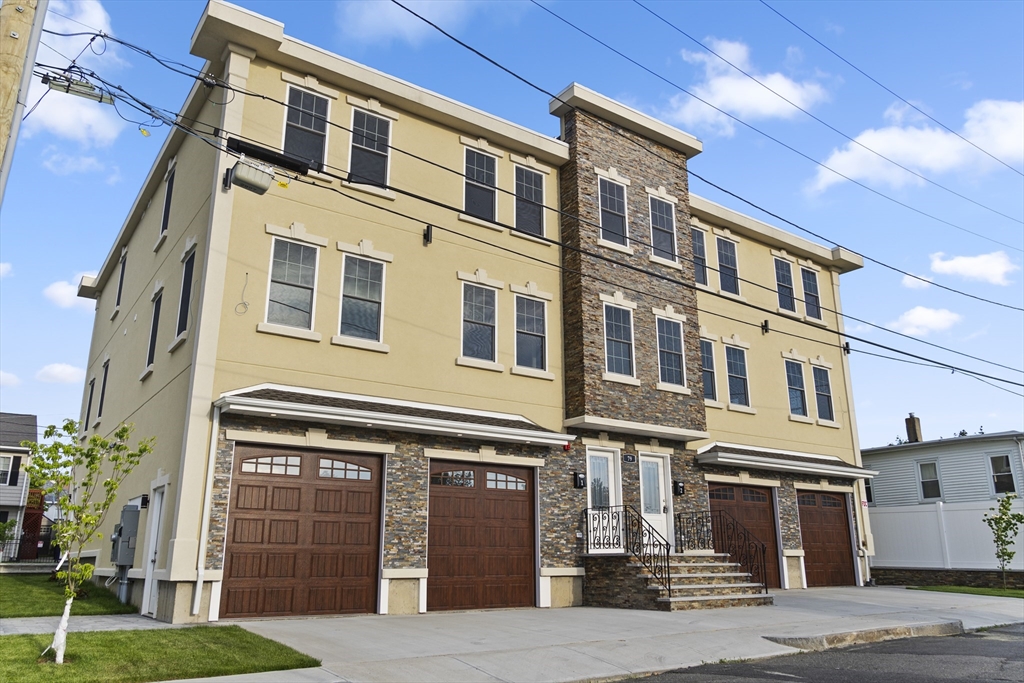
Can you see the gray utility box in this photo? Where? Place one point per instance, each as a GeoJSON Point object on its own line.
{"type": "Point", "coordinates": [122, 551]}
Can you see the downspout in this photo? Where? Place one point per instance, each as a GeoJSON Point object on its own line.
{"type": "Point", "coordinates": [207, 504]}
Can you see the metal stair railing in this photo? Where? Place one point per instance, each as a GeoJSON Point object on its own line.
{"type": "Point", "coordinates": [719, 530]}
{"type": "Point", "coordinates": [622, 528]}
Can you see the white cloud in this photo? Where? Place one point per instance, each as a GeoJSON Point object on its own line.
{"type": "Point", "coordinates": [5, 269]}
{"type": "Point", "coordinates": [65, 164]}
{"type": "Point", "coordinates": [66, 116]}
{"type": "Point", "coordinates": [915, 283]}
{"type": "Point", "coordinates": [65, 294]}
{"type": "Point", "coordinates": [919, 321]}
{"type": "Point", "coordinates": [383, 22]}
{"type": "Point", "coordinates": [992, 268]}
{"type": "Point", "coordinates": [60, 373]}
{"type": "Point", "coordinates": [8, 379]}
{"type": "Point", "coordinates": [731, 91]}
{"type": "Point", "coordinates": [995, 126]}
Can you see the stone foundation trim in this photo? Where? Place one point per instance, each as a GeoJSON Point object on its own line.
{"type": "Point", "coordinates": [638, 428]}
{"type": "Point", "coordinates": [399, 573]}
{"type": "Point", "coordinates": [980, 578]}
{"type": "Point", "coordinates": [742, 478]}
{"type": "Point", "coordinates": [823, 486]}
{"type": "Point", "coordinates": [485, 454]}
{"type": "Point", "coordinates": [315, 438]}
{"type": "Point", "coordinates": [562, 571]}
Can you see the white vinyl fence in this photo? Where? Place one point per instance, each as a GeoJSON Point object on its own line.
{"type": "Point", "coordinates": [938, 536]}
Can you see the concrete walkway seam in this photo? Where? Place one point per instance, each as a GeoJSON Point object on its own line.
{"type": "Point", "coordinates": [869, 635]}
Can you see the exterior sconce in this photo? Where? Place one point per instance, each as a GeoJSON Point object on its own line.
{"type": "Point", "coordinates": [678, 488]}
{"type": "Point", "coordinates": [579, 480]}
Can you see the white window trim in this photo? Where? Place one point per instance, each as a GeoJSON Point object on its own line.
{"type": "Point", "coordinates": [121, 274]}
{"type": "Point", "coordinates": [365, 248]}
{"type": "Point", "coordinates": [309, 83]}
{"type": "Point", "coordinates": [806, 265]}
{"type": "Point", "coordinates": [468, 361]}
{"type": "Point", "coordinates": [372, 105]}
{"type": "Point", "coordinates": [151, 341]}
{"type": "Point", "coordinates": [277, 328]}
{"type": "Point", "coordinates": [614, 376]}
{"type": "Point", "coordinates": [165, 207]}
{"type": "Point", "coordinates": [709, 266]}
{"type": "Point", "coordinates": [828, 370]}
{"type": "Point", "coordinates": [711, 339]}
{"type": "Point", "coordinates": [481, 145]}
{"type": "Point", "coordinates": [531, 290]}
{"type": "Point", "coordinates": [104, 377]}
{"type": "Point", "coordinates": [795, 295]}
{"type": "Point", "coordinates": [664, 197]}
{"type": "Point", "coordinates": [10, 464]}
{"type": "Point", "coordinates": [667, 386]}
{"type": "Point", "coordinates": [543, 203]}
{"type": "Point", "coordinates": [992, 474]}
{"type": "Point", "coordinates": [728, 237]}
{"type": "Point", "coordinates": [351, 144]}
{"type": "Point", "coordinates": [624, 183]}
{"type": "Point", "coordinates": [486, 151]}
{"type": "Point", "coordinates": [529, 161]}
{"type": "Point", "coordinates": [794, 417]}
{"type": "Point", "coordinates": [327, 118]}
{"type": "Point", "coordinates": [726, 342]}
{"type": "Point", "coordinates": [179, 337]}
{"type": "Point", "coordinates": [530, 372]}
{"type": "Point", "coordinates": [360, 342]}
{"type": "Point", "coordinates": [296, 232]}
{"type": "Point", "coordinates": [920, 481]}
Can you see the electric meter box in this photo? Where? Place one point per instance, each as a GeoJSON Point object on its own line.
{"type": "Point", "coordinates": [126, 531]}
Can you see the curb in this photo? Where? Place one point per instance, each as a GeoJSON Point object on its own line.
{"type": "Point", "coordinates": [869, 635]}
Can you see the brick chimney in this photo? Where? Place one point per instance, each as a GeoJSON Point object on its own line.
{"type": "Point", "coordinates": [913, 429]}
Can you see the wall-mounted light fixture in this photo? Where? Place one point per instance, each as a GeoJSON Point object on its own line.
{"type": "Point", "coordinates": [579, 480]}
{"type": "Point", "coordinates": [678, 488]}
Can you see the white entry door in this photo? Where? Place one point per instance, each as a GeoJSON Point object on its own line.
{"type": "Point", "coordinates": [653, 496]}
{"type": "Point", "coordinates": [605, 528]}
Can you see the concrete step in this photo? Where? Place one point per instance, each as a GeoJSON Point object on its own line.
{"type": "Point", "coordinates": [708, 589]}
{"type": "Point", "coordinates": [710, 576]}
{"type": "Point", "coordinates": [702, 579]}
{"type": "Point", "coordinates": [713, 602]}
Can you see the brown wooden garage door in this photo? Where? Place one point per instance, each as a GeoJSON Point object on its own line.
{"type": "Point", "coordinates": [752, 507]}
{"type": "Point", "coordinates": [303, 533]}
{"type": "Point", "coordinates": [480, 549]}
{"type": "Point", "coordinates": [825, 530]}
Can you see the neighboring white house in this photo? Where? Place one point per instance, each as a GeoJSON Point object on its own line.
{"type": "Point", "coordinates": [928, 501]}
{"type": "Point", "coordinates": [14, 428]}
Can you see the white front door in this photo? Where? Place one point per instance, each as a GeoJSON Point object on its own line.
{"type": "Point", "coordinates": [605, 528]}
{"type": "Point", "coordinates": [653, 499]}
{"type": "Point", "coordinates": [150, 594]}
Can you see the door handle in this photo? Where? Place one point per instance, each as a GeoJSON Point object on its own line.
{"type": "Point", "coordinates": [664, 509]}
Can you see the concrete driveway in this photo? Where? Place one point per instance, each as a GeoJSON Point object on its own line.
{"type": "Point", "coordinates": [586, 643]}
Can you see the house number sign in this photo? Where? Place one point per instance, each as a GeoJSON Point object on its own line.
{"type": "Point", "coordinates": [628, 457]}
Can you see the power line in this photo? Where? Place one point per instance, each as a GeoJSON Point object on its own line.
{"type": "Point", "coordinates": [618, 132]}
{"type": "Point", "coordinates": [762, 132]}
{"type": "Point", "coordinates": [932, 365]}
{"type": "Point", "coordinates": [888, 90]}
{"type": "Point", "coordinates": [822, 121]}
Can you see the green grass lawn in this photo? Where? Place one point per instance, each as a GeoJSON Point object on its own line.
{"type": "Point", "coordinates": [997, 592]}
{"type": "Point", "coordinates": [135, 656]}
{"type": "Point", "coordinates": [34, 595]}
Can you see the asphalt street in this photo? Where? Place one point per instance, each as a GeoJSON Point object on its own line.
{"type": "Point", "coordinates": [992, 655]}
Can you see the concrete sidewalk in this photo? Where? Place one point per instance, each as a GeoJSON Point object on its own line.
{"type": "Point", "coordinates": [592, 643]}
{"type": "Point", "coordinates": [100, 622]}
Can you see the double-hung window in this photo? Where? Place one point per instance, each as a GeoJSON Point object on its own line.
{"type": "Point", "coordinates": [613, 211]}
{"type": "Point", "coordinates": [618, 340]}
{"type": "Point", "coordinates": [784, 284]}
{"type": "Point", "coordinates": [479, 321]}
{"type": "Point", "coordinates": [795, 383]}
{"type": "Point", "coordinates": [103, 388]}
{"type": "Point", "coordinates": [165, 217]}
{"type": "Point", "coordinates": [736, 368]}
{"type": "Point", "coordinates": [305, 133]}
{"type": "Point", "coordinates": [153, 328]}
{"type": "Point", "coordinates": [823, 394]}
{"type": "Point", "coordinates": [481, 179]}
{"type": "Point", "coordinates": [869, 494]}
{"type": "Point", "coordinates": [663, 229]}
{"type": "Point", "coordinates": [362, 296]}
{"type": "Point", "coordinates": [185, 303]}
{"type": "Point", "coordinates": [292, 283]}
{"type": "Point", "coordinates": [6, 465]}
{"type": "Point", "coordinates": [670, 352]}
{"type": "Point", "coordinates": [700, 257]}
{"type": "Point", "coordinates": [1002, 476]}
{"type": "Point", "coordinates": [529, 201]}
{"type": "Point", "coordinates": [368, 163]}
{"type": "Point", "coordinates": [929, 474]}
{"type": "Point", "coordinates": [530, 333]}
{"type": "Point", "coordinates": [88, 404]}
{"type": "Point", "coordinates": [120, 280]}
{"type": "Point", "coordinates": [707, 362]}
{"type": "Point", "coordinates": [812, 302]}
{"type": "Point", "coordinates": [728, 275]}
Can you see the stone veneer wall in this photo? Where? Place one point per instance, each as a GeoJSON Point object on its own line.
{"type": "Point", "coordinates": [592, 144]}
{"type": "Point", "coordinates": [978, 578]}
{"type": "Point", "coordinates": [405, 494]}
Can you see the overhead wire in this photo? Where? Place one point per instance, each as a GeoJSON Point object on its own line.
{"type": "Point", "coordinates": [889, 90]}
{"type": "Point", "coordinates": [631, 140]}
{"type": "Point", "coordinates": [766, 134]}
{"type": "Point", "coordinates": [817, 118]}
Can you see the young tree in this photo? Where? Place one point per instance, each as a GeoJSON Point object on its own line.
{"type": "Point", "coordinates": [84, 478]}
{"type": "Point", "coordinates": [1004, 525]}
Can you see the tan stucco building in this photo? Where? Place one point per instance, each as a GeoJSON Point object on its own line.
{"type": "Point", "coordinates": [387, 381]}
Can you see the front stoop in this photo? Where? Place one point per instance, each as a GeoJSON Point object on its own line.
{"type": "Point", "coordinates": [697, 582]}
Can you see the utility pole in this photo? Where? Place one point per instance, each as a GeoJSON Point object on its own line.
{"type": "Point", "coordinates": [21, 26]}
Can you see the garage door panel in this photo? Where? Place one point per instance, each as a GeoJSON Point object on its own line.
{"type": "Point", "coordinates": [752, 507]}
{"type": "Point", "coordinates": [301, 541]}
{"type": "Point", "coordinates": [825, 534]}
{"type": "Point", "coordinates": [481, 552]}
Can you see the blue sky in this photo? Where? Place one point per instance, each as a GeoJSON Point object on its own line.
{"type": "Point", "coordinates": [78, 166]}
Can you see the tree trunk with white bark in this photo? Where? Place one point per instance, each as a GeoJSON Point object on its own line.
{"type": "Point", "coordinates": [60, 636]}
